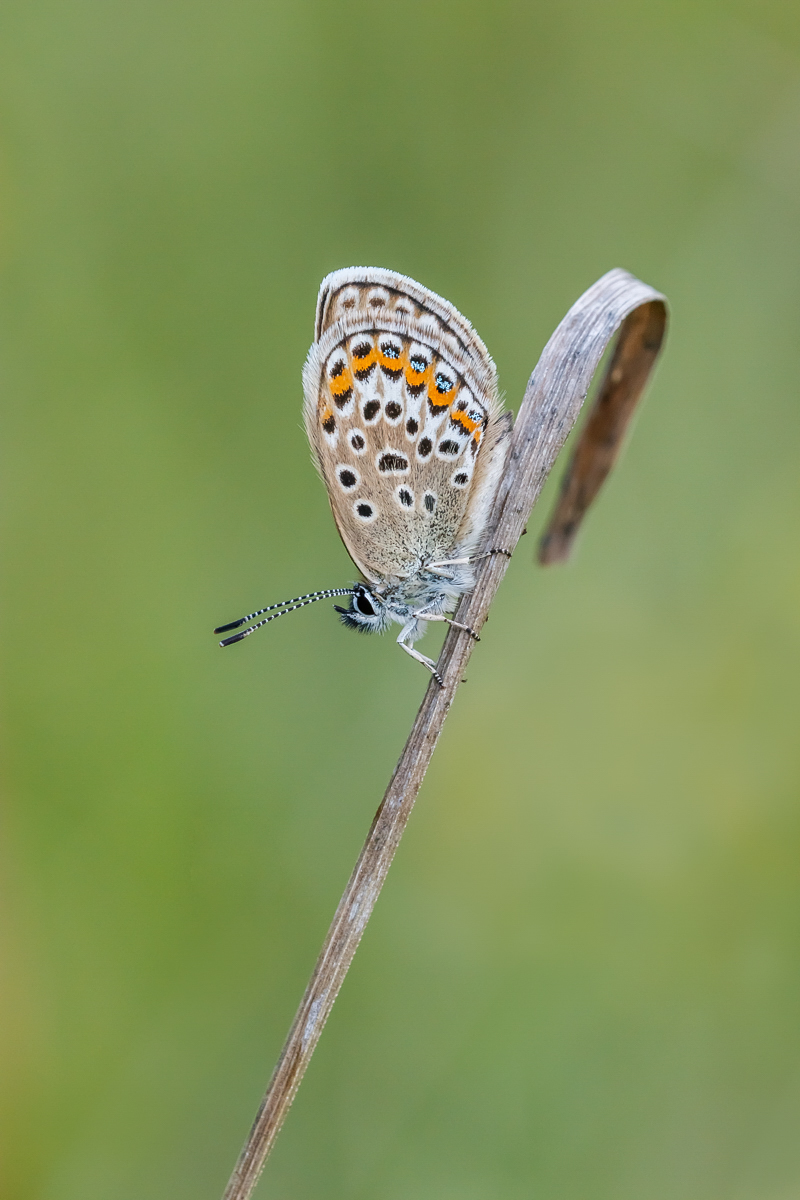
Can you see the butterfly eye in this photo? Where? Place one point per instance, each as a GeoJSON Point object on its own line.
{"type": "Point", "coordinates": [361, 601]}
{"type": "Point", "coordinates": [390, 350]}
{"type": "Point", "coordinates": [443, 383]}
{"type": "Point", "coordinates": [418, 364]}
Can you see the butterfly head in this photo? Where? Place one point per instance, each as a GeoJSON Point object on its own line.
{"type": "Point", "coordinates": [366, 612]}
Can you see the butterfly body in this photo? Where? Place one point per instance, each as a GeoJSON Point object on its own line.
{"type": "Point", "coordinates": [407, 431]}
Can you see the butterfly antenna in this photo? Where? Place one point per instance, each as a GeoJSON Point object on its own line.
{"type": "Point", "coordinates": [286, 606]}
{"type": "Point", "coordinates": [310, 597]}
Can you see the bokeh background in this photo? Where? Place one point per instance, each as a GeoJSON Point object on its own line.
{"type": "Point", "coordinates": [583, 977]}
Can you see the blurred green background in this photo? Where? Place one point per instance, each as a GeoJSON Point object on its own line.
{"type": "Point", "coordinates": [583, 977]}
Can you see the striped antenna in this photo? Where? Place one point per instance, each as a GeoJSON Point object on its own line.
{"type": "Point", "coordinates": [286, 606]}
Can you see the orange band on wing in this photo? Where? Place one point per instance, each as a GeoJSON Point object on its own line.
{"type": "Point", "coordinates": [439, 399]}
{"type": "Point", "coordinates": [391, 364]}
{"type": "Point", "coordinates": [362, 365]}
{"type": "Point", "coordinates": [465, 421]}
{"type": "Point", "coordinates": [341, 383]}
{"type": "Point", "coordinates": [416, 379]}
{"type": "Point", "coordinates": [327, 417]}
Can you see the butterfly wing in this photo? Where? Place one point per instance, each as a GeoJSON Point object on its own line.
{"type": "Point", "coordinates": [404, 420]}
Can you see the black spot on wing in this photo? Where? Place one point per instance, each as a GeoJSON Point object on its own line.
{"type": "Point", "coordinates": [392, 461]}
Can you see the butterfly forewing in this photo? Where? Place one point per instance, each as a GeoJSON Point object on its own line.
{"type": "Point", "coordinates": [400, 407]}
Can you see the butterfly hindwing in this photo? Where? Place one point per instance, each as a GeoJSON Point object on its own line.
{"type": "Point", "coordinates": [402, 413]}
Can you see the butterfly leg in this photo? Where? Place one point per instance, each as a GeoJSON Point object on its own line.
{"type": "Point", "coordinates": [449, 562]}
{"type": "Point", "coordinates": [489, 553]}
{"type": "Point", "coordinates": [426, 662]}
{"type": "Point", "coordinates": [457, 562]}
{"type": "Point", "coordinates": [424, 616]}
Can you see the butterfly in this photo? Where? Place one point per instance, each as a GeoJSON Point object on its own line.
{"type": "Point", "coordinates": [407, 431]}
